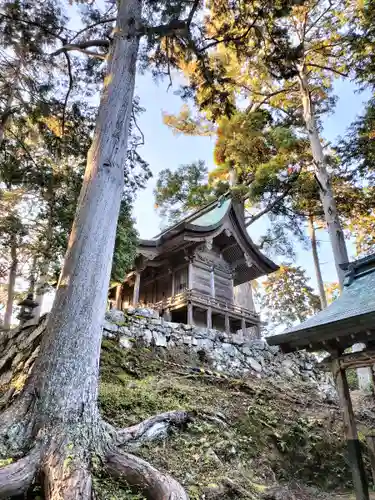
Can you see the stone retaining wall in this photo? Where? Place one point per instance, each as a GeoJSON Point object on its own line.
{"type": "Point", "coordinates": [231, 354]}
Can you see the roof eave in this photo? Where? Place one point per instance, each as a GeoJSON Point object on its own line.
{"type": "Point", "coordinates": [266, 265]}
{"type": "Point", "coordinates": [302, 338]}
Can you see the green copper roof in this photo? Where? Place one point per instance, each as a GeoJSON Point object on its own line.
{"type": "Point", "coordinates": [356, 303]}
{"type": "Point", "coordinates": [214, 216]}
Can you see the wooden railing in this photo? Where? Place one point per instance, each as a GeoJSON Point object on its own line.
{"type": "Point", "coordinates": [199, 299]}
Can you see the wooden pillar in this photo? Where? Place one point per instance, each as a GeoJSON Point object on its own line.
{"type": "Point", "coordinates": [136, 288]}
{"type": "Point", "coordinates": [190, 275]}
{"type": "Point", "coordinates": [370, 442]}
{"type": "Point", "coordinates": [173, 284]}
{"type": "Point", "coordinates": [118, 303]}
{"type": "Point", "coordinates": [243, 326]}
{"type": "Point", "coordinates": [212, 279]}
{"type": "Point", "coordinates": [209, 317]}
{"type": "Point", "coordinates": [227, 323]}
{"type": "Point", "coordinates": [190, 317]}
{"type": "Point", "coordinates": [351, 435]}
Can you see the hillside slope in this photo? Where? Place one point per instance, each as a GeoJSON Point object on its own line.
{"type": "Point", "coordinates": [249, 438]}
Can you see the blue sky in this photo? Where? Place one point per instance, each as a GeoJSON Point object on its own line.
{"type": "Point", "coordinates": [163, 149]}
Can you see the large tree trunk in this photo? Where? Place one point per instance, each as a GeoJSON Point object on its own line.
{"type": "Point", "coordinates": [318, 271]}
{"type": "Point", "coordinates": [57, 410]}
{"type": "Point", "coordinates": [335, 231]}
{"type": "Point", "coordinates": [11, 283]}
{"type": "Point", "coordinates": [67, 366]}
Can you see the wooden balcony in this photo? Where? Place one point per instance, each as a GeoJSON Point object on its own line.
{"type": "Point", "coordinates": [191, 298]}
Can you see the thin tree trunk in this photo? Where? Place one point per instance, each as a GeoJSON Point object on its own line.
{"type": "Point", "coordinates": [7, 113]}
{"type": "Point", "coordinates": [4, 119]}
{"type": "Point", "coordinates": [318, 271]}
{"type": "Point", "coordinates": [66, 370]}
{"type": "Point", "coordinates": [32, 277]}
{"type": "Point", "coordinates": [335, 231]}
{"type": "Point", "coordinates": [40, 290]}
{"type": "Point", "coordinates": [11, 283]}
{"type": "Point", "coordinates": [44, 271]}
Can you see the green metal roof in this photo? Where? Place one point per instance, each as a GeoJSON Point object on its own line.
{"type": "Point", "coordinates": [213, 216]}
{"type": "Point", "coordinates": [354, 306]}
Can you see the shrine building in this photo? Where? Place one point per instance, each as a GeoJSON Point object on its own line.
{"type": "Point", "coordinates": [195, 271]}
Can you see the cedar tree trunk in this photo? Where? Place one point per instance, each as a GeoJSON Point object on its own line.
{"type": "Point", "coordinates": [56, 416]}
{"type": "Point", "coordinates": [11, 283]}
{"type": "Point", "coordinates": [335, 231]}
{"type": "Point", "coordinates": [318, 271]}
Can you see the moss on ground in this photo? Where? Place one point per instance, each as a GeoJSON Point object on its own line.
{"type": "Point", "coordinates": [247, 435]}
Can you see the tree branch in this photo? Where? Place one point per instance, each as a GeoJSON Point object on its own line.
{"type": "Point", "coordinates": [87, 28]}
{"type": "Point", "coordinates": [330, 5]}
{"type": "Point", "coordinates": [139, 130]}
{"type": "Point", "coordinates": [81, 45]}
{"type": "Point", "coordinates": [327, 68]}
{"type": "Point", "coordinates": [33, 23]}
{"type": "Point", "coordinates": [192, 12]}
{"type": "Point", "coordinates": [70, 87]}
{"type": "Point", "coordinates": [272, 205]}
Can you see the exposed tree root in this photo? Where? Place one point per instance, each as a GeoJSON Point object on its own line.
{"type": "Point", "coordinates": [16, 478]}
{"type": "Point", "coordinates": [18, 350]}
{"type": "Point", "coordinates": [64, 462]}
{"type": "Point", "coordinates": [62, 455]}
{"type": "Point", "coordinates": [140, 474]}
{"type": "Point", "coordinates": [154, 428]}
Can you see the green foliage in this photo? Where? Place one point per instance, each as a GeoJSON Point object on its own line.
{"type": "Point", "coordinates": [5, 462]}
{"type": "Point", "coordinates": [288, 297]}
{"type": "Point", "coordinates": [357, 148]}
{"type": "Point", "coordinates": [352, 378]}
{"type": "Point", "coordinates": [182, 191]}
{"type": "Point", "coordinates": [125, 245]}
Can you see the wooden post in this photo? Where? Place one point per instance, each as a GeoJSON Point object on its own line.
{"type": "Point", "coordinates": [243, 326]}
{"type": "Point", "coordinates": [351, 435]}
{"type": "Point", "coordinates": [227, 323]}
{"type": "Point", "coordinates": [173, 284]}
{"type": "Point", "coordinates": [370, 442]}
{"type": "Point", "coordinates": [190, 275]}
{"type": "Point", "coordinates": [136, 288]}
{"type": "Point", "coordinates": [118, 297]}
{"type": "Point", "coordinates": [190, 316]}
{"type": "Point", "coordinates": [212, 282]}
{"type": "Point", "coordinates": [209, 317]}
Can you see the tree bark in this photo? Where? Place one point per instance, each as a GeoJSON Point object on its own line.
{"type": "Point", "coordinates": [16, 478]}
{"type": "Point", "coordinates": [318, 271]}
{"type": "Point", "coordinates": [335, 231]}
{"type": "Point", "coordinates": [66, 371]}
{"type": "Point", "coordinates": [142, 475]}
{"type": "Point", "coordinates": [44, 270]}
{"type": "Point", "coordinates": [7, 113]}
{"type": "Point", "coordinates": [40, 290]}
{"type": "Point", "coordinates": [63, 416]}
{"type": "Point", "coordinates": [4, 119]}
{"type": "Point", "coordinates": [11, 283]}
